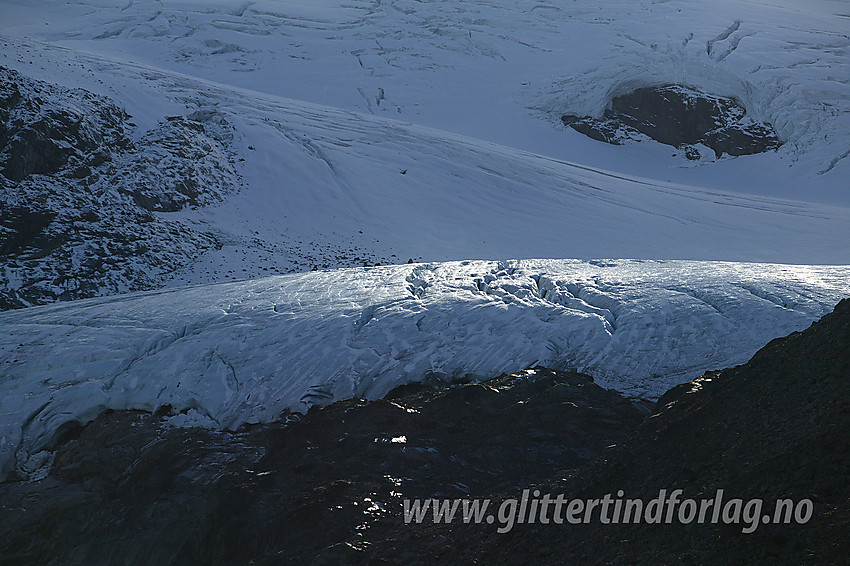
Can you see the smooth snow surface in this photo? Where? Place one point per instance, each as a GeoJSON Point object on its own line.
{"type": "Point", "coordinates": [237, 353]}
{"type": "Point", "coordinates": [382, 131]}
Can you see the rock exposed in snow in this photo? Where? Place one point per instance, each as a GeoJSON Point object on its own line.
{"type": "Point", "coordinates": [681, 117]}
{"type": "Point", "coordinates": [79, 193]}
{"type": "Point", "coordinates": [43, 131]}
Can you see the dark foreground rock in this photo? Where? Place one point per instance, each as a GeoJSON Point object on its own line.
{"type": "Point", "coordinates": [776, 427]}
{"type": "Point", "coordinates": [324, 488]}
{"type": "Point", "coordinates": [681, 117]}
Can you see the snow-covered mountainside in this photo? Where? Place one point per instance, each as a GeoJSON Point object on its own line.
{"type": "Point", "coordinates": [495, 70]}
{"type": "Point", "coordinates": [78, 200]}
{"type": "Point", "coordinates": [244, 352]}
{"type": "Point", "coordinates": [246, 139]}
{"type": "Point", "coordinates": [499, 71]}
{"type": "Point", "coordinates": [378, 132]}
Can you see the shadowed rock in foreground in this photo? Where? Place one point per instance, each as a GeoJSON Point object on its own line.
{"type": "Point", "coordinates": [131, 489]}
{"type": "Point", "coordinates": [327, 487]}
{"type": "Point", "coordinates": [776, 427]}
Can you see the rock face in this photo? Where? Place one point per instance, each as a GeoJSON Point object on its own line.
{"type": "Point", "coordinates": [681, 117]}
{"type": "Point", "coordinates": [185, 163]}
{"type": "Point", "coordinates": [78, 188]}
{"type": "Point", "coordinates": [129, 488]}
{"type": "Point", "coordinates": [41, 135]}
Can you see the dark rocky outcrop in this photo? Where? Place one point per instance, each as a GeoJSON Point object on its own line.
{"type": "Point", "coordinates": [78, 189]}
{"type": "Point", "coordinates": [39, 136]}
{"type": "Point", "coordinates": [130, 489]}
{"type": "Point", "coordinates": [776, 427]}
{"type": "Point", "coordinates": [680, 117]}
{"type": "Point", "coordinates": [20, 226]}
{"type": "Point", "coordinates": [185, 164]}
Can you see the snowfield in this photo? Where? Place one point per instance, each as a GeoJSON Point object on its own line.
{"type": "Point", "coordinates": [372, 132]}
{"type": "Point", "coordinates": [501, 71]}
{"type": "Point", "coordinates": [323, 183]}
{"type": "Point", "coordinates": [430, 130]}
{"type": "Point", "coordinates": [236, 353]}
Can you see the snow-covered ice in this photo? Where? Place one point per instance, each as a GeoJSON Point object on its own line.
{"type": "Point", "coordinates": [243, 352]}
{"type": "Point", "coordinates": [333, 180]}
{"type": "Point", "coordinates": [497, 71]}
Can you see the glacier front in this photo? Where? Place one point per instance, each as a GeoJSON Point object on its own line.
{"type": "Point", "coordinates": [228, 354]}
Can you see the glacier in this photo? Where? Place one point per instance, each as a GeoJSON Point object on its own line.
{"type": "Point", "coordinates": [368, 131]}
{"type": "Point", "coordinates": [230, 354]}
{"type": "Point", "coordinates": [430, 130]}
{"type": "Point", "coordinates": [496, 71]}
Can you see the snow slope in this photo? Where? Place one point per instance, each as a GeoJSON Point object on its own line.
{"type": "Point", "coordinates": [377, 132]}
{"type": "Point", "coordinates": [328, 187]}
{"type": "Point", "coordinates": [502, 71]}
{"type": "Point", "coordinates": [495, 72]}
{"type": "Point", "coordinates": [243, 352]}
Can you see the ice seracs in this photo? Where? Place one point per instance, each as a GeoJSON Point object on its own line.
{"type": "Point", "coordinates": [234, 353]}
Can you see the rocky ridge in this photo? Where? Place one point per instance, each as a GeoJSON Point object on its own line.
{"type": "Point", "coordinates": [775, 427]}
{"type": "Point", "coordinates": [323, 486]}
{"type": "Point", "coordinates": [84, 203]}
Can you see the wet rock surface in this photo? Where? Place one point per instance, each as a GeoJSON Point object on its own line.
{"type": "Point", "coordinates": [79, 188]}
{"type": "Point", "coordinates": [318, 488]}
{"type": "Point", "coordinates": [681, 117]}
{"type": "Point", "coordinates": [776, 427]}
